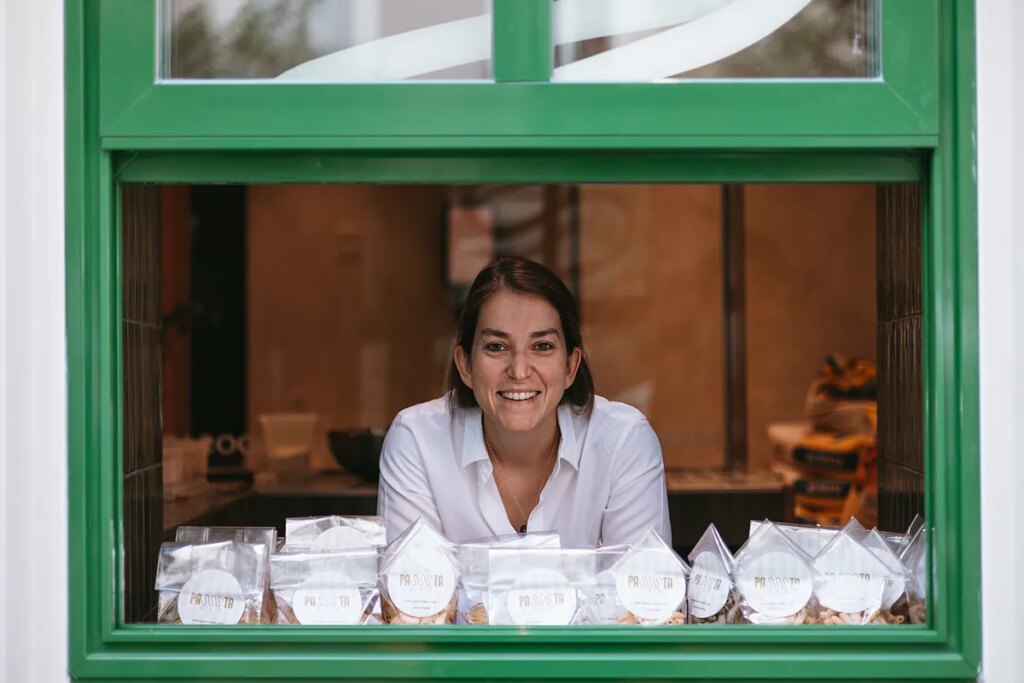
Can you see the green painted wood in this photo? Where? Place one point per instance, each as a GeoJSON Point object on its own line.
{"type": "Point", "coordinates": [122, 127]}
{"type": "Point", "coordinates": [681, 167]}
{"type": "Point", "coordinates": [486, 145]}
{"type": "Point", "coordinates": [522, 40]}
{"type": "Point", "coordinates": [903, 102]}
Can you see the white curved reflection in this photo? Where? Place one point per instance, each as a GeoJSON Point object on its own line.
{"type": "Point", "coordinates": [710, 30]}
{"type": "Point", "coordinates": [705, 40]}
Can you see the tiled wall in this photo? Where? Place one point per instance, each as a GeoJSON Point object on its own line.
{"type": "Point", "coordinates": [900, 389]}
{"type": "Point", "coordinates": [143, 481]}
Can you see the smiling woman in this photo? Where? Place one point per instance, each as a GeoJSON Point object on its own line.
{"type": "Point", "coordinates": [520, 441]}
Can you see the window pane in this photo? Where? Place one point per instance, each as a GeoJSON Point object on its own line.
{"type": "Point", "coordinates": [649, 40]}
{"type": "Point", "coordinates": [326, 40]}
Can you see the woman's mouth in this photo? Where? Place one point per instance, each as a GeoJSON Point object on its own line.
{"type": "Point", "coordinates": [518, 395]}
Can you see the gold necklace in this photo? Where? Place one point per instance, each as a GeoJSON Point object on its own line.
{"type": "Point", "coordinates": [496, 462]}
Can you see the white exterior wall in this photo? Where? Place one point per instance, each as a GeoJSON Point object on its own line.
{"type": "Point", "coordinates": [33, 393]}
{"type": "Point", "coordinates": [33, 376]}
{"type": "Point", "coordinates": [1001, 311]}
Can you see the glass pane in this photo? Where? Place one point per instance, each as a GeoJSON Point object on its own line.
{"type": "Point", "coordinates": [326, 40]}
{"type": "Point", "coordinates": [272, 332]}
{"type": "Point", "coordinates": [651, 40]}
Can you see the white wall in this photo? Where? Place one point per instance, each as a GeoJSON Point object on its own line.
{"type": "Point", "coordinates": [33, 395]}
{"type": "Point", "coordinates": [1001, 295]}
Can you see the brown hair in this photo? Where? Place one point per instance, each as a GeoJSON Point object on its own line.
{"type": "Point", "coordinates": [522, 276]}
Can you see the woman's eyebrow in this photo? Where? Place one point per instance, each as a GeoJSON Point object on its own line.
{"type": "Point", "coordinates": [544, 333]}
{"type": "Point", "coordinates": [488, 332]}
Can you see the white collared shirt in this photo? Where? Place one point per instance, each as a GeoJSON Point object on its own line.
{"type": "Point", "coordinates": [607, 486]}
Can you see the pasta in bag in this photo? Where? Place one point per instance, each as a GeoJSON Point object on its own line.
{"type": "Point", "coordinates": [211, 583]}
{"type": "Point", "coordinates": [775, 579]}
{"type": "Point", "coordinates": [853, 580]}
{"type": "Point", "coordinates": [711, 596]}
{"type": "Point", "coordinates": [642, 584]}
{"type": "Point", "coordinates": [418, 577]}
{"type": "Point", "coordinates": [333, 533]}
{"type": "Point", "coordinates": [330, 587]}
{"type": "Point", "coordinates": [241, 534]}
{"type": "Point", "coordinates": [473, 558]}
{"type": "Point", "coordinates": [539, 586]}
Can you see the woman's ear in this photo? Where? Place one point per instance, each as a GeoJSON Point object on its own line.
{"type": "Point", "coordinates": [575, 358]}
{"type": "Point", "coordinates": [464, 366]}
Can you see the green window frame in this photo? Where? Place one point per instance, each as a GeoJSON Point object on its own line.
{"type": "Point", "coordinates": [915, 124]}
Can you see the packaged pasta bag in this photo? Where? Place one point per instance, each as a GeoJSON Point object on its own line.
{"type": "Point", "coordinates": [642, 583]}
{"type": "Point", "coordinates": [211, 583]}
{"type": "Point", "coordinates": [711, 595]}
{"type": "Point", "coordinates": [473, 558]}
{"type": "Point", "coordinates": [419, 573]}
{"type": "Point", "coordinates": [328, 587]}
{"type": "Point", "coordinates": [775, 579]}
{"type": "Point", "coordinates": [539, 586]}
{"type": "Point", "coordinates": [853, 580]}
{"type": "Point", "coordinates": [333, 532]}
{"type": "Point", "coordinates": [914, 555]}
{"type": "Point", "coordinates": [241, 534]}
{"type": "Point", "coordinates": [895, 599]}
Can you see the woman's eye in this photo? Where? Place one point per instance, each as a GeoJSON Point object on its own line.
{"type": "Point", "coordinates": [493, 347]}
{"type": "Point", "coordinates": [544, 346]}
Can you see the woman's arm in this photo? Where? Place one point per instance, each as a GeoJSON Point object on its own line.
{"type": "Point", "coordinates": [404, 493]}
{"type": "Point", "coordinates": [639, 499]}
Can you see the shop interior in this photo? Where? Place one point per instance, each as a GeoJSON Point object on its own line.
{"type": "Point", "coordinates": [272, 332]}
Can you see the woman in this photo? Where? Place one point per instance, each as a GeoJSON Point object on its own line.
{"type": "Point", "coordinates": [520, 442]}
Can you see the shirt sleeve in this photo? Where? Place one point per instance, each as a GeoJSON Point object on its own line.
{"type": "Point", "coordinates": [638, 500]}
{"type": "Point", "coordinates": [404, 493]}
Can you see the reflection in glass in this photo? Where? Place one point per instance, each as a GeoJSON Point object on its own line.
{"type": "Point", "coordinates": [326, 40]}
{"type": "Point", "coordinates": [648, 40]}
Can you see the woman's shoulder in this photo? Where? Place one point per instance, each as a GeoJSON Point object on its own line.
{"type": "Point", "coordinates": [615, 413]}
{"type": "Point", "coordinates": [613, 426]}
{"type": "Point", "coordinates": [426, 412]}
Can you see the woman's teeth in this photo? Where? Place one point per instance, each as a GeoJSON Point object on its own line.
{"type": "Point", "coordinates": [518, 395]}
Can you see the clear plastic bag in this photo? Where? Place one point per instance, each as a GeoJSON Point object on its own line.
{"type": "Point", "coordinates": [211, 583]}
{"type": "Point", "coordinates": [328, 587]}
{"type": "Point", "coordinates": [914, 555]}
{"type": "Point", "coordinates": [473, 558]}
{"type": "Point", "coordinates": [775, 580]}
{"type": "Point", "coordinates": [895, 599]}
{"type": "Point", "coordinates": [240, 534]}
{"type": "Point", "coordinates": [811, 538]}
{"type": "Point", "coordinates": [852, 590]}
{"type": "Point", "coordinates": [419, 574]}
{"type": "Point", "coordinates": [539, 586]}
{"type": "Point", "coordinates": [711, 596]}
{"type": "Point", "coordinates": [640, 584]}
{"type": "Point", "coordinates": [333, 532]}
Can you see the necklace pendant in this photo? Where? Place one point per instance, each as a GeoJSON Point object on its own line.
{"type": "Point", "coordinates": [522, 529]}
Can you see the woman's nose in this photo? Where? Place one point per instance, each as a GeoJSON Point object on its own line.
{"type": "Point", "coordinates": [519, 366]}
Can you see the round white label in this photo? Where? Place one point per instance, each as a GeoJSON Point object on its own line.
{"type": "Point", "coordinates": [211, 596]}
{"type": "Point", "coordinates": [847, 587]}
{"type": "Point", "coordinates": [340, 538]}
{"type": "Point", "coordinates": [651, 584]}
{"type": "Point", "coordinates": [709, 585]}
{"type": "Point", "coordinates": [327, 598]}
{"type": "Point", "coordinates": [542, 597]}
{"type": "Point", "coordinates": [421, 582]}
{"type": "Point", "coordinates": [775, 584]}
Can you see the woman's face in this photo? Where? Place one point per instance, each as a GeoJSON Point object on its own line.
{"type": "Point", "coordinates": [519, 366]}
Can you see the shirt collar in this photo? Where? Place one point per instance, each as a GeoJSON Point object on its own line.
{"type": "Point", "coordinates": [473, 449]}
